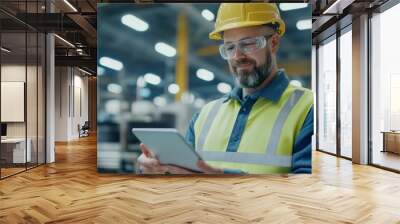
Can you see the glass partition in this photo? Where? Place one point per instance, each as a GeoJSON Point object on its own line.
{"type": "Point", "coordinates": [327, 96]}
{"type": "Point", "coordinates": [23, 89]}
{"type": "Point", "coordinates": [385, 89]}
{"type": "Point", "coordinates": [14, 154]}
{"type": "Point", "coordinates": [346, 93]}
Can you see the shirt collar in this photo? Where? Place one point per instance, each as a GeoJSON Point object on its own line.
{"type": "Point", "coordinates": [273, 91]}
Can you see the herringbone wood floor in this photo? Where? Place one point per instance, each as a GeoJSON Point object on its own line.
{"type": "Point", "coordinates": [71, 191]}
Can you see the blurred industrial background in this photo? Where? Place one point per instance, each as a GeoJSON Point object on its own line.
{"type": "Point", "coordinates": [157, 67]}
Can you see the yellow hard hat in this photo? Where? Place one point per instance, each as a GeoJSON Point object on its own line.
{"type": "Point", "coordinates": [236, 15]}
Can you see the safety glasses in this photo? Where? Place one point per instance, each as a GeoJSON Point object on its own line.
{"type": "Point", "coordinates": [246, 46]}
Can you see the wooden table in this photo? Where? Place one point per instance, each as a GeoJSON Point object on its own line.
{"type": "Point", "coordinates": [14, 150]}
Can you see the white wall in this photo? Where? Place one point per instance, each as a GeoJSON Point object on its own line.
{"type": "Point", "coordinates": [70, 83]}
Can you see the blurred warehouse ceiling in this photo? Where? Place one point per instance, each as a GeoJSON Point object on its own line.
{"type": "Point", "coordinates": [136, 49]}
{"type": "Point", "coordinates": [76, 24]}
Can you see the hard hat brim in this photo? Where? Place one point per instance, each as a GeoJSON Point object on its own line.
{"type": "Point", "coordinates": [216, 34]}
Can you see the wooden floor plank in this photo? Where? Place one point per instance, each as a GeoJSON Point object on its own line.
{"type": "Point", "coordinates": [71, 191]}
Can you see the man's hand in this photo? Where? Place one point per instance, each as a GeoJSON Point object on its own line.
{"type": "Point", "coordinates": [149, 164]}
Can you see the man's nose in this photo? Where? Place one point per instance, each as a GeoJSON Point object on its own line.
{"type": "Point", "coordinates": [238, 54]}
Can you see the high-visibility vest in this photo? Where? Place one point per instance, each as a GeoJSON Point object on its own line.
{"type": "Point", "coordinates": [267, 142]}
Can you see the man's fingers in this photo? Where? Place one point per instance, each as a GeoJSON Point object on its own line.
{"type": "Point", "coordinates": [146, 151]}
{"type": "Point", "coordinates": [148, 161]}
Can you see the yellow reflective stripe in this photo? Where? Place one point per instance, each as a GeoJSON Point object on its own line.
{"type": "Point", "coordinates": [251, 158]}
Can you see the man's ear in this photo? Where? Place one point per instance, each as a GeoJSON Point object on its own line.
{"type": "Point", "coordinates": [275, 40]}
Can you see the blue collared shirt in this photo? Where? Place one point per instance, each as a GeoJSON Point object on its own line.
{"type": "Point", "coordinates": [301, 157]}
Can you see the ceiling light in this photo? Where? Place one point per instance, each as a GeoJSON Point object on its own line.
{"type": "Point", "coordinates": [305, 24]}
{"type": "Point", "coordinates": [165, 49]}
{"type": "Point", "coordinates": [292, 6]}
{"type": "Point", "coordinates": [111, 63]}
{"type": "Point", "coordinates": [135, 23]}
{"type": "Point", "coordinates": [65, 41]}
{"type": "Point", "coordinates": [152, 78]}
{"type": "Point", "coordinates": [160, 101]}
{"type": "Point", "coordinates": [70, 5]}
{"type": "Point", "coordinates": [173, 88]}
{"type": "Point", "coordinates": [224, 87]}
{"type": "Point", "coordinates": [205, 75]}
{"type": "Point", "coordinates": [208, 15]}
{"type": "Point", "coordinates": [114, 88]}
{"type": "Point", "coordinates": [5, 50]}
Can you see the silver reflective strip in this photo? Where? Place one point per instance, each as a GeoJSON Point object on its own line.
{"type": "Point", "coordinates": [276, 132]}
{"type": "Point", "coordinates": [271, 156]}
{"type": "Point", "coordinates": [207, 124]}
{"type": "Point", "coordinates": [251, 158]}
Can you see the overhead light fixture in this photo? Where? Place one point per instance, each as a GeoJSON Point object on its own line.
{"type": "Point", "coordinates": [207, 14]}
{"type": "Point", "coordinates": [304, 24]}
{"type": "Point", "coordinates": [205, 75]}
{"type": "Point", "coordinates": [5, 50]}
{"type": "Point", "coordinates": [165, 49]}
{"type": "Point", "coordinates": [111, 63]}
{"type": "Point", "coordinates": [160, 101]}
{"type": "Point", "coordinates": [65, 41]}
{"type": "Point", "coordinates": [224, 87]}
{"type": "Point", "coordinates": [152, 78]}
{"type": "Point", "coordinates": [114, 88]}
{"type": "Point", "coordinates": [70, 5]}
{"type": "Point", "coordinates": [84, 71]}
{"type": "Point", "coordinates": [292, 6]}
{"type": "Point", "coordinates": [173, 88]}
{"type": "Point", "coordinates": [134, 23]}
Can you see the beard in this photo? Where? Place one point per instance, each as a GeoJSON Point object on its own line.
{"type": "Point", "coordinates": [252, 75]}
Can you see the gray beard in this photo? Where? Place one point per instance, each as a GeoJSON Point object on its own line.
{"type": "Point", "coordinates": [256, 77]}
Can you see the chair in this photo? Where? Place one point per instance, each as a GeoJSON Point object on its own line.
{"type": "Point", "coordinates": [84, 130]}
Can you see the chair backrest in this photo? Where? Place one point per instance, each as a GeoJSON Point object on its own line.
{"type": "Point", "coordinates": [86, 125]}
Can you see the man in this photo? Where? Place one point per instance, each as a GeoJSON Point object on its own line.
{"type": "Point", "coordinates": [265, 124]}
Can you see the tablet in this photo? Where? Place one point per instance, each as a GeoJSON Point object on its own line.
{"type": "Point", "coordinates": [169, 147]}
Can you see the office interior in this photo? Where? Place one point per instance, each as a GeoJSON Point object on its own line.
{"type": "Point", "coordinates": [39, 108]}
{"type": "Point", "coordinates": [363, 45]}
{"type": "Point", "coordinates": [52, 117]}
